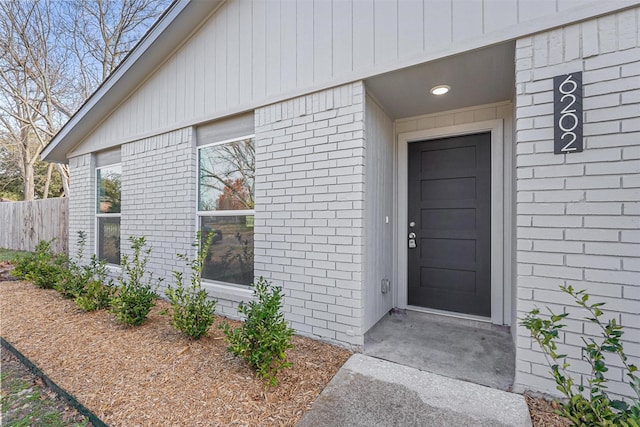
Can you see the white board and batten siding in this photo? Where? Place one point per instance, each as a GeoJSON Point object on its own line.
{"type": "Point", "coordinates": [250, 53]}
{"type": "Point", "coordinates": [378, 220]}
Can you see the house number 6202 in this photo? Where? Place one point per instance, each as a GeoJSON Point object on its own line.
{"type": "Point", "coordinates": [568, 113]}
{"type": "Point", "coordinates": [568, 121]}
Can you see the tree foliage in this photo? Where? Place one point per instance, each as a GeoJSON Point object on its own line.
{"type": "Point", "coordinates": [53, 55]}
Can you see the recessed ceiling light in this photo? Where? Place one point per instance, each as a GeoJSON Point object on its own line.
{"type": "Point", "coordinates": [440, 89]}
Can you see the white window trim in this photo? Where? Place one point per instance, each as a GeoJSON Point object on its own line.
{"type": "Point", "coordinates": [219, 287]}
{"type": "Point", "coordinates": [499, 301]}
{"type": "Point", "coordinates": [105, 215]}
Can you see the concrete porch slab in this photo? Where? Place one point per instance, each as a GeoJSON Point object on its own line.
{"type": "Point", "coordinates": [457, 348]}
{"type": "Point", "coordinates": [371, 392]}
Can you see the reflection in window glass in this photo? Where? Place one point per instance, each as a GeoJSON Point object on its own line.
{"type": "Point", "coordinates": [108, 199]}
{"type": "Point", "coordinates": [109, 239]}
{"type": "Point", "coordinates": [109, 189]}
{"type": "Point", "coordinates": [226, 176]}
{"type": "Point", "coordinates": [230, 256]}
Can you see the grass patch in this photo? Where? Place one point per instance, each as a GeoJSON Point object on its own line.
{"type": "Point", "coordinates": [26, 403]}
{"type": "Point", "coordinates": [10, 254]}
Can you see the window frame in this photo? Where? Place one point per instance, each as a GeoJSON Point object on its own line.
{"type": "Point", "coordinates": [220, 213]}
{"type": "Point", "coordinates": [99, 214]}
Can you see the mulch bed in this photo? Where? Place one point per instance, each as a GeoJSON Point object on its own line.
{"type": "Point", "coordinates": [543, 414]}
{"type": "Point", "coordinates": [152, 375]}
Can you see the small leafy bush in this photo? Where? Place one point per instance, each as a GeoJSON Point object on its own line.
{"type": "Point", "coordinates": [192, 310]}
{"type": "Point", "coordinates": [70, 284]}
{"type": "Point", "coordinates": [74, 279]}
{"type": "Point", "coordinates": [592, 407]}
{"type": "Point", "coordinates": [23, 265]}
{"type": "Point", "coordinates": [84, 283]}
{"type": "Point", "coordinates": [98, 289]}
{"type": "Point", "coordinates": [43, 267]}
{"type": "Point", "coordinates": [135, 296]}
{"type": "Point", "coordinates": [96, 296]}
{"type": "Point", "coordinates": [265, 336]}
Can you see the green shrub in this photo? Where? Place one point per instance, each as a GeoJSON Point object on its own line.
{"type": "Point", "coordinates": [43, 267]}
{"type": "Point", "coordinates": [84, 282]}
{"type": "Point", "coordinates": [132, 305]}
{"type": "Point", "coordinates": [70, 285]}
{"type": "Point", "coordinates": [74, 278]}
{"type": "Point", "coordinates": [135, 296]}
{"type": "Point", "coordinates": [192, 311]}
{"type": "Point", "coordinates": [265, 336]}
{"type": "Point", "coordinates": [96, 296]}
{"type": "Point", "coordinates": [23, 265]}
{"type": "Point", "coordinates": [98, 288]}
{"type": "Point", "coordinates": [593, 406]}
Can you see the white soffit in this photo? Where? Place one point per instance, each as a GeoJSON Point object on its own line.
{"type": "Point", "coordinates": [478, 77]}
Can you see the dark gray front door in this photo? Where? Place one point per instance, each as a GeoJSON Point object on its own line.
{"type": "Point", "coordinates": [450, 209]}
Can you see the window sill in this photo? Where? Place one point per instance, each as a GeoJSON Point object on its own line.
{"type": "Point", "coordinates": [113, 271]}
{"type": "Point", "coordinates": [235, 293]}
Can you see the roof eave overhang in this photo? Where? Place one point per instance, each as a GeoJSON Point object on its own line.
{"type": "Point", "coordinates": [166, 36]}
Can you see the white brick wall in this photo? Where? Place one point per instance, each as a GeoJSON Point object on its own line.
{"type": "Point", "coordinates": [309, 209]}
{"type": "Point", "coordinates": [577, 213]}
{"type": "Point", "coordinates": [159, 197]}
{"type": "Point", "coordinates": [158, 202]}
{"type": "Point", "coordinates": [82, 205]}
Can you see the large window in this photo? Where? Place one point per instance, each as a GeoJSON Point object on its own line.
{"type": "Point", "coordinates": [108, 213]}
{"type": "Point", "coordinates": [226, 173]}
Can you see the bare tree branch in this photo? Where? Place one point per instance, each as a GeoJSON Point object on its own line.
{"type": "Point", "coordinates": [45, 74]}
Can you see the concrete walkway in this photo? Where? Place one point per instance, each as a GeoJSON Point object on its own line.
{"type": "Point", "coordinates": [372, 392]}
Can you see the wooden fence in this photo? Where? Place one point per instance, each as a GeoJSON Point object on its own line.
{"type": "Point", "coordinates": [24, 224]}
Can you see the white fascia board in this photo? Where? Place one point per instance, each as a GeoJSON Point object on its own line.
{"type": "Point", "coordinates": [166, 35]}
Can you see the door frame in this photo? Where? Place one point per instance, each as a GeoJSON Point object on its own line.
{"type": "Point", "coordinates": [498, 282]}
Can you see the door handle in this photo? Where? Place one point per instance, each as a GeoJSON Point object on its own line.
{"type": "Point", "coordinates": [412, 240]}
